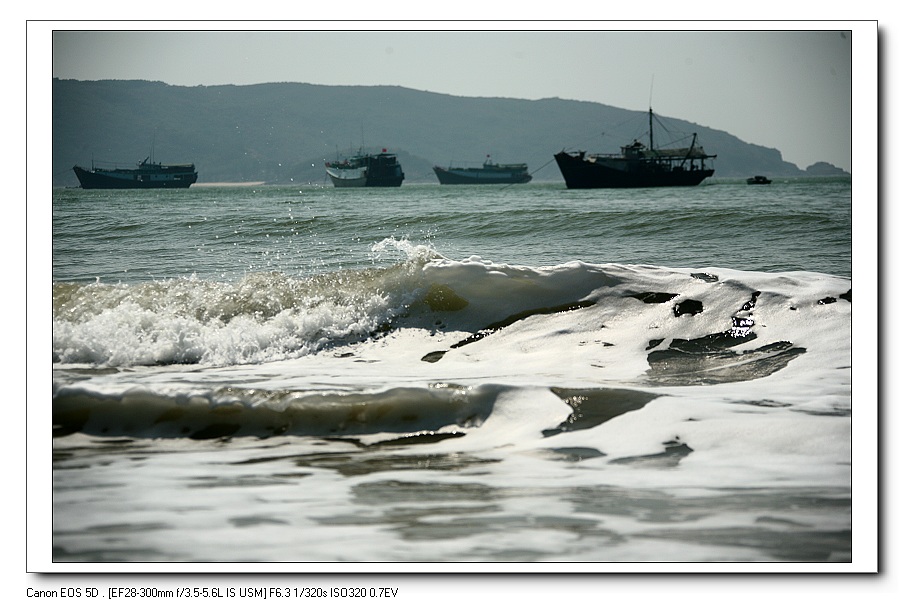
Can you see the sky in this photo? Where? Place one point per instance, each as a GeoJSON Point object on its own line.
{"type": "Point", "coordinates": [789, 90]}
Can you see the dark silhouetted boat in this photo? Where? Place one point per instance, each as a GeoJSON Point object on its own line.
{"type": "Point", "coordinates": [758, 180]}
{"type": "Point", "coordinates": [147, 175]}
{"type": "Point", "coordinates": [637, 165]}
{"type": "Point", "coordinates": [366, 170]}
{"type": "Point", "coordinates": [489, 173]}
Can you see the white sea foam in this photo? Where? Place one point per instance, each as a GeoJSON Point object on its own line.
{"type": "Point", "coordinates": [570, 326]}
{"type": "Point", "coordinates": [530, 388]}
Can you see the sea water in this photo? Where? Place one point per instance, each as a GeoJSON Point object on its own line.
{"type": "Point", "coordinates": [452, 374]}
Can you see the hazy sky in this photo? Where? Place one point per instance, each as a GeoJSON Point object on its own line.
{"type": "Point", "coordinates": [786, 89]}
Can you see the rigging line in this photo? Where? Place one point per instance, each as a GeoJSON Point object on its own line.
{"type": "Point", "coordinates": [630, 120]}
{"type": "Point", "coordinates": [536, 170]}
{"type": "Point", "coordinates": [672, 132]}
{"type": "Point", "coordinates": [544, 166]}
{"type": "Point", "coordinates": [581, 144]}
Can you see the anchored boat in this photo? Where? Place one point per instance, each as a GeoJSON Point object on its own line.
{"type": "Point", "coordinates": [489, 173]}
{"type": "Point", "coordinates": [637, 165]}
{"type": "Point", "coordinates": [147, 175]}
{"type": "Point", "coordinates": [366, 170]}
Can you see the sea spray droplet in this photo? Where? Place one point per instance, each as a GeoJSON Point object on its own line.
{"type": "Point", "coordinates": [413, 252]}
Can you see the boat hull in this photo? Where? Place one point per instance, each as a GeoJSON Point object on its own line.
{"type": "Point", "coordinates": [382, 170]}
{"type": "Point", "coordinates": [585, 173]}
{"type": "Point", "coordinates": [347, 178]}
{"type": "Point", "coordinates": [479, 176]}
{"type": "Point", "coordinates": [339, 181]}
{"type": "Point", "coordinates": [135, 179]}
{"type": "Point", "coordinates": [387, 181]}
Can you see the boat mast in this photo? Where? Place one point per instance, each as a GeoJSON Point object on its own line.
{"type": "Point", "coordinates": [650, 106]}
{"type": "Point", "coordinates": [690, 152]}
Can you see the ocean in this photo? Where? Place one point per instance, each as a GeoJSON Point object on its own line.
{"type": "Point", "coordinates": [453, 377]}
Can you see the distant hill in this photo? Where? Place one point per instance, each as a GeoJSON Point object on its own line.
{"type": "Point", "coordinates": [824, 169]}
{"type": "Point", "coordinates": [281, 133]}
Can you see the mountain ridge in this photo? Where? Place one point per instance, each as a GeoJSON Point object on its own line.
{"type": "Point", "coordinates": [282, 133]}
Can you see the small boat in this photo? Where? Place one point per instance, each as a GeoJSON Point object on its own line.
{"type": "Point", "coordinates": [489, 173]}
{"type": "Point", "coordinates": [366, 170]}
{"type": "Point", "coordinates": [637, 165]}
{"type": "Point", "coordinates": [758, 180]}
{"type": "Point", "coordinates": [148, 175]}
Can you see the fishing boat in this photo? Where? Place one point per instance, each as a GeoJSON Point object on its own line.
{"type": "Point", "coordinates": [638, 165]}
{"type": "Point", "coordinates": [147, 175]}
{"type": "Point", "coordinates": [366, 170]}
{"type": "Point", "coordinates": [758, 180]}
{"type": "Point", "coordinates": [489, 173]}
